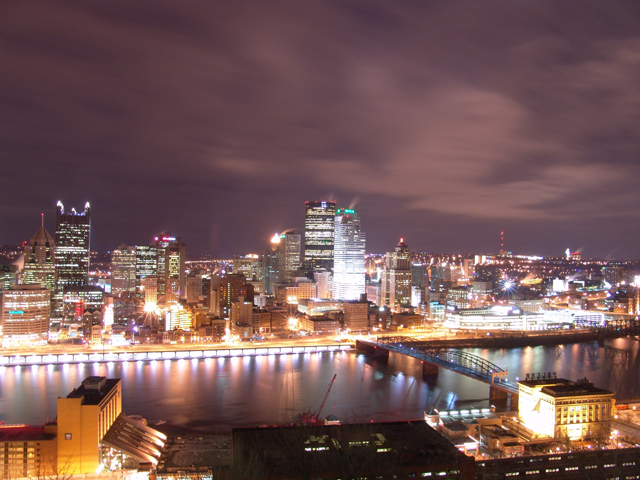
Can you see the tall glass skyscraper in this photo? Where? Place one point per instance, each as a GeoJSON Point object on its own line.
{"type": "Point", "coordinates": [319, 225]}
{"type": "Point", "coordinates": [72, 251]}
{"type": "Point", "coordinates": [348, 256]}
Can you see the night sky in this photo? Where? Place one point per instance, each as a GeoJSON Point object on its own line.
{"type": "Point", "coordinates": [443, 122]}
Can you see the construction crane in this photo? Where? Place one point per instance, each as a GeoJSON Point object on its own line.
{"type": "Point", "coordinates": [314, 419]}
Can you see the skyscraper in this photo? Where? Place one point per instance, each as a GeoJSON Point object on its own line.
{"type": "Point", "coordinates": [288, 256]}
{"type": "Point", "coordinates": [123, 269]}
{"type": "Point", "coordinates": [73, 231]}
{"type": "Point", "coordinates": [146, 263]}
{"type": "Point", "coordinates": [172, 280]}
{"type": "Point", "coordinates": [39, 260]}
{"type": "Point", "coordinates": [396, 278]}
{"type": "Point", "coordinates": [319, 225]}
{"type": "Point", "coordinates": [348, 256]}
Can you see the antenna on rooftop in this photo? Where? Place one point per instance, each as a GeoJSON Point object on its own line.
{"type": "Point", "coordinates": [502, 242]}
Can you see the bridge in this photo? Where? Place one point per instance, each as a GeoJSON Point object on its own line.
{"type": "Point", "coordinates": [458, 361]}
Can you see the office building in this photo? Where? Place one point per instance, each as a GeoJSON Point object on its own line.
{"type": "Point", "coordinates": [123, 269]}
{"type": "Point", "coordinates": [356, 315]}
{"type": "Point", "coordinates": [561, 408]}
{"type": "Point", "coordinates": [396, 277]}
{"type": "Point", "coordinates": [225, 290]}
{"type": "Point", "coordinates": [269, 271]}
{"type": "Point", "coordinates": [348, 256]}
{"type": "Point", "coordinates": [288, 256]}
{"type": "Point", "coordinates": [72, 253]}
{"type": "Point", "coordinates": [170, 268]}
{"type": "Point", "coordinates": [194, 289]}
{"type": "Point", "coordinates": [24, 314]}
{"type": "Point", "coordinates": [146, 263]}
{"type": "Point", "coordinates": [248, 265]}
{"type": "Point", "coordinates": [319, 225]}
{"type": "Point", "coordinates": [39, 260]}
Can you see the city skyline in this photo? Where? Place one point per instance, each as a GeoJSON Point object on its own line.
{"type": "Point", "coordinates": [444, 124]}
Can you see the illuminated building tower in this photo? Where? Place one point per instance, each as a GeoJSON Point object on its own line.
{"type": "Point", "coordinates": [319, 224]}
{"type": "Point", "coordinates": [146, 263]}
{"type": "Point", "coordinates": [72, 250]}
{"type": "Point", "coordinates": [248, 265]}
{"type": "Point", "coordinates": [348, 256]}
{"type": "Point", "coordinates": [39, 262]}
{"type": "Point", "coordinates": [230, 287]}
{"type": "Point", "coordinates": [123, 269]}
{"type": "Point", "coordinates": [172, 281]}
{"type": "Point", "coordinates": [269, 269]}
{"type": "Point", "coordinates": [24, 314]}
{"type": "Point", "coordinates": [288, 256]}
{"type": "Point", "coordinates": [396, 278]}
{"type": "Point", "coordinates": [84, 418]}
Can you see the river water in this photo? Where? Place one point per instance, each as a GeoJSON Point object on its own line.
{"type": "Point", "coordinates": [217, 394]}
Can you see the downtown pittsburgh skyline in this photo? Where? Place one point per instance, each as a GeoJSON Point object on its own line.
{"type": "Point", "coordinates": [443, 123]}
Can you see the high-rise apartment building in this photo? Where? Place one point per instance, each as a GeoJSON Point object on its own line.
{"type": "Point", "coordinates": [396, 277]}
{"type": "Point", "coordinates": [72, 254]}
{"type": "Point", "coordinates": [319, 225]}
{"type": "Point", "coordinates": [348, 256]}
{"type": "Point", "coordinates": [39, 260]}
{"type": "Point", "coordinates": [123, 269]}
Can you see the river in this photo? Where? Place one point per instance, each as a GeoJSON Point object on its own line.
{"type": "Point", "coordinates": [217, 394]}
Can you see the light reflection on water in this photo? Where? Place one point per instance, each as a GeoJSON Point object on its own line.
{"type": "Point", "coordinates": [216, 394]}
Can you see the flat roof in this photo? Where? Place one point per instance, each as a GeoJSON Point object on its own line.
{"type": "Point", "coordinates": [561, 387]}
{"type": "Point", "coordinates": [23, 433]}
{"type": "Point", "coordinates": [94, 389]}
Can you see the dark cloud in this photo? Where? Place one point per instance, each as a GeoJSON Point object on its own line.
{"type": "Point", "coordinates": [449, 121]}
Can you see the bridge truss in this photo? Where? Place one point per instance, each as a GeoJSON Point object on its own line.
{"type": "Point", "coordinates": [462, 362]}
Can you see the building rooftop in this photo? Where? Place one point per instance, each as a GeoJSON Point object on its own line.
{"type": "Point", "coordinates": [94, 389]}
{"type": "Point", "coordinates": [360, 448]}
{"type": "Point", "coordinates": [561, 387]}
{"type": "Point", "coordinates": [23, 433]}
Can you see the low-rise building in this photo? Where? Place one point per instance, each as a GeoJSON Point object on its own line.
{"type": "Point", "coordinates": [561, 408]}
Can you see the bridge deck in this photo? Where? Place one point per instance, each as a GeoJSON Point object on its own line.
{"type": "Point", "coordinates": [458, 361]}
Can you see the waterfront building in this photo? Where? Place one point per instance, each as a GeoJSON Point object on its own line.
{"type": "Point", "coordinates": [24, 314]}
{"type": "Point", "coordinates": [356, 315]}
{"type": "Point", "coordinates": [372, 450]}
{"type": "Point", "coordinates": [178, 319]}
{"type": "Point", "coordinates": [561, 408]}
{"type": "Point", "coordinates": [320, 324]}
{"type": "Point", "coordinates": [39, 260]}
{"type": "Point", "coordinates": [123, 269]}
{"type": "Point", "coordinates": [72, 255]}
{"type": "Point", "coordinates": [28, 451]}
{"type": "Point", "coordinates": [396, 277]}
{"type": "Point", "coordinates": [319, 225]}
{"type": "Point", "coordinates": [348, 256]}
{"type": "Point", "coordinates": [84, 417]}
